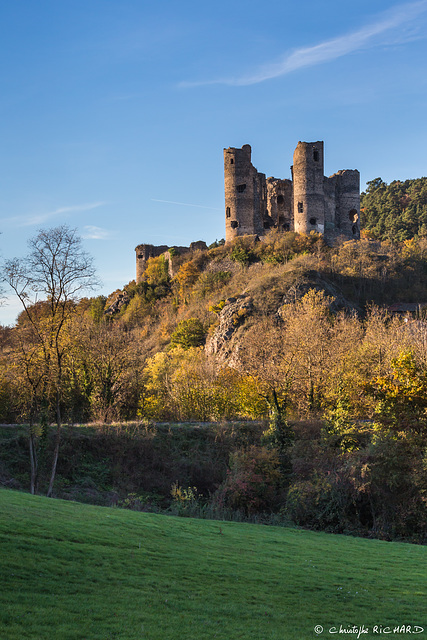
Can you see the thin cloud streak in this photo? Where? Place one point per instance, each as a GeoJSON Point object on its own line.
{"type": "Point", "coordinates": [92, 232]}
{"type": "Point", "coordinates": [186, 204]}
{"type": "Point", "coordinates": [27, 221]}
{"type": "Point", "coordinates": [330, 49]}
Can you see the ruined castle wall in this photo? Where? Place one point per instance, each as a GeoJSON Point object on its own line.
{"type": "Point", "coordinates": [146, 251]}
{"type": "Point", "coordinates": [329, 190]}
{"type": "Point", "coordinates": [279, 204]}
{"type": "Point", "coordinates": [245, 194]}
{"type": "Point", "coordinates": [260, 203]}
{"type": "Point", "coordinates": [309, 208]}
{"type": "Point", "coordinates": [348, 203]}
{"type": "Point", "coordinates": [143, 253]}
{"type": "Point", "coordinates": [254, 204]}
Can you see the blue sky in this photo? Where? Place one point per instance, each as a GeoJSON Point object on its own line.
{"type": "Point", "coordinates": [114, 113]}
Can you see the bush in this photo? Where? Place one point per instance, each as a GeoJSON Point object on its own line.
{"type": "Point", "coordinates": [242, 254]}
{"type": "Point", "coordinates": [319, 503]}
{"type": "Point", "coordinates": [252, 482]}
{"type": "Point", "coordinates": [189, 333]}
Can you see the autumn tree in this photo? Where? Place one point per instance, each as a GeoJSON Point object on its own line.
{"type": "Point", "coordinates": [187, 275]}
{"type": "Point", "coordinates": [401, 395]}
{"type": "Point", "coordinates": [189, 333]}
{"type": "Point", "coordinates": [264, 357]}
{"type": "Point", "coordinates": [105, 368]}
{"type": "Point", "coordinates": [48, 283]}
{"type": "Point", "coordinates": [307, 331]}
{"type": "Point", "coordinates": [186, 384]}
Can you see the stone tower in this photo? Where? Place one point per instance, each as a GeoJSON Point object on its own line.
{"type": "Point", "coordinates": [309, 200]}
{"type": "Point", "coordinates": [245, 194]}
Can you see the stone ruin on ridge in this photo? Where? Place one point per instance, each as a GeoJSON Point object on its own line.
{"type": "Point", "coordinates": [310, 201]}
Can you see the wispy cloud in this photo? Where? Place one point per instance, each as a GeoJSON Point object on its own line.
{"type": "Point", "coordinates": [186, 204]}
{"type": "Point", "coordinates": [368, 36]}
{"type": "Point", "coordinates": [95, 233]}
{"type": "Point", "coordinates": [40, 218]}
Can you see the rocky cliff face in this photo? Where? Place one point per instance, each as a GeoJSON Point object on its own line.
{"type": "Point", "coordinates": [228, 336]}
{"type": "Point", "coordinates": [122, 299]}
{"type": "Point", "coordinates": [232, 315]}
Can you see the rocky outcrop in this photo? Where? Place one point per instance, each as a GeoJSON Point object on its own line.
{"type": "Point", "coordinates": [232, 315]}
{"type": "Point", "coordinates": [121, 299]}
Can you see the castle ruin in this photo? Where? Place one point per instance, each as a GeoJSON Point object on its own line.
{"type": "Point", "coordinates": [254, 204]}
{"type": "Point", "coordinates": [308, 202]}
{"type": "Point", "coordinates": [146, 251]}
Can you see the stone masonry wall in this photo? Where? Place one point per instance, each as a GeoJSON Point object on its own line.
{"type": "Point", "coordinates": [146, 251]}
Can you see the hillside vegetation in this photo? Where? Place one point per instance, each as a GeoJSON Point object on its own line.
{"type": "Point", "coordinates": [73, 571]}
{"type": "Point", "coordinates": [288, 332]}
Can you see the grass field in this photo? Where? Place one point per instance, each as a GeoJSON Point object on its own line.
{"type": "Point", "coordinates": [72, 571]}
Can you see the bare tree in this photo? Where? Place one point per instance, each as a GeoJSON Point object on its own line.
{"type": "Point", "coordinates": [48, 282]}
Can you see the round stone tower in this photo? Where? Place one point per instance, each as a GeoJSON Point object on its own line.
{"type": "Point", "coordinates": [309, 200]}
{"type": "Point", "coordinates": [243, 194]}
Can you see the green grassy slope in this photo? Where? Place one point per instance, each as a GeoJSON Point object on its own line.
{"type": "Point", "coordinates": [71, 571]}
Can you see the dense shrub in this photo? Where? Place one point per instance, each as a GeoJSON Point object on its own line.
{"type": "Point", "coordinates": [189, 333]}
{"type": "Point", "coordinates": [253, 480]}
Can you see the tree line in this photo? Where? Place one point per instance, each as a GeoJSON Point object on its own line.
{"type": "Point", "coordinates": [395, 211]}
